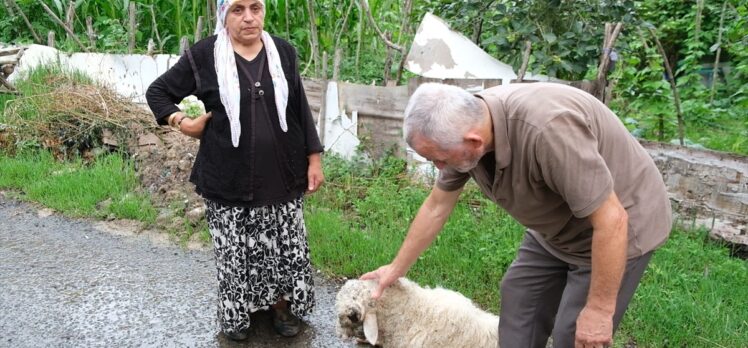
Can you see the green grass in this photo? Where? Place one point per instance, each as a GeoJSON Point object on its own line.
{"type": "Point", "coordinates": [4, 99]}
{"type": "Point", "coordinates": [76, 188]}
{"type": "Point", "coordinates": [727, 135]}
{"type": "Point", "coordinates": [41, 80]}
{"type": "Point", "coordinates": [692, 295]}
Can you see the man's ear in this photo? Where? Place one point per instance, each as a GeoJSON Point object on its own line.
{"type": "Point", "coordinates": [474, 140]}
{"type": "Point", "coordinates": [371, 328]}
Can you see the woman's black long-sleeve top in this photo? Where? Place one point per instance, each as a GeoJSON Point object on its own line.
{"type": "Point", "coordinates": [269, 165]}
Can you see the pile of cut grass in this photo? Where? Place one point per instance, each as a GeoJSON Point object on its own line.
{"type": "Point", "coordinates": [33, 121]}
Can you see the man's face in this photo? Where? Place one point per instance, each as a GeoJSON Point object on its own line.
{"type": "Point", "coordinates": [245, 20]}
{"type": "Point", "coordinates": [461, 158]}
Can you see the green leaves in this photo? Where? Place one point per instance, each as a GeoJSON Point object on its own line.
{"type": "Point", "coordinates": [549, 37]}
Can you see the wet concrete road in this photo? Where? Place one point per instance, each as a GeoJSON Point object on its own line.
{"type": "Point", "coordinates": [67, 283]}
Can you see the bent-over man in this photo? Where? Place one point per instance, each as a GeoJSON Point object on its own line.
{"type": "Point", "coordinates": [564, 166]}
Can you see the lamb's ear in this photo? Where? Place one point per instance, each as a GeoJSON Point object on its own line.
{"type": "Point", "coordinates": [371, 329]}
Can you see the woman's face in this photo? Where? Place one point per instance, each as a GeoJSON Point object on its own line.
{"type": "Point", "coordinates": [245, 20]}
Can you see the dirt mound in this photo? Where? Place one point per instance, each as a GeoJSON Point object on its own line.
{"type": "Point", "coordinates": [71, 118]}
{"type": "Point", "coordinates": [163, 161]}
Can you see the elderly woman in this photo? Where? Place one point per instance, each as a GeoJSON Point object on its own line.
{"type": "Point", "coordinates": [259, 154]}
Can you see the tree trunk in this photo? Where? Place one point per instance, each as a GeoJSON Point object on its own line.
{"type": "Point", "coordinates": [288, 17]}
{"type": "Point", "coordinates": [525, 61]}
{"type": "Point", "coordinates": [12, 3]}
{"type": "Point", "coordinates": [477, 30]}
{"type": "Point", "coordinates": [209, 15]}
{"type": "Point", "coordinates": [676, 95]}
{"type": "Point", "coordinates": [390, 44]}
{"type": "Point", "coordinates": [58, 21]}
{"type": "Point", "coordinates": [387, 63]}
{"type": "Point", "coordinates": [407, 7]}
{"type": "Point", "coordinates": [358, 40]}
{"type": "Point", "coordinates": [70, 15]}
{"type": "Point", "coordinates": [339, 35]}
{"type": "Point", "coordinates": [699, 11]}
{"type": "Point", "coordinates": [611, 34]}
{"type": "Point", "coordinates": [719, 51]}
{"type": "Point", "coordinates": [315, 38]}
{"type": "Point", "coordinates": [155, 29]}
{"type": "Point", "coordinates": [9, 7]}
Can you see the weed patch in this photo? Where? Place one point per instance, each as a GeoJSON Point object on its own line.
{"type": "Point", "coordinates": [76, 188]}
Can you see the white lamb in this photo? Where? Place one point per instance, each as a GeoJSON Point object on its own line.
{"type": "Point", "coordinates": [409, 316]}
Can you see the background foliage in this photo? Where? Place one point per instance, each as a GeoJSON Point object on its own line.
{"type": "Point", "coordinates": [566, 37]}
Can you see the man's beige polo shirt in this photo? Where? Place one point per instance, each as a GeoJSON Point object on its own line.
{"type": "Point", "coordinates": [558, 154]}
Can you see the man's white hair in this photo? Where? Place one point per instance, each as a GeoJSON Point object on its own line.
{"type": "Point", "coordinates": [442, 114]}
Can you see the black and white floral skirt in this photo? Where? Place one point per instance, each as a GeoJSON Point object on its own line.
{"type": "Point", "coordinates": [261, 256]}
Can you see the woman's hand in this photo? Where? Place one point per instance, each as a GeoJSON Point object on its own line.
{"type": "Point", "coordinates": [194, 126]}
{"type": "Point", "coordinates": [314, 174]}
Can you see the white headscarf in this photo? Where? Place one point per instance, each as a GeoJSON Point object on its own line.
{"type": "Point", "coordinates": [228, 77]}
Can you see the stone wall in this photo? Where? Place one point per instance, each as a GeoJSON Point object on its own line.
{"type": "Point", "coordinates": [707, 188]}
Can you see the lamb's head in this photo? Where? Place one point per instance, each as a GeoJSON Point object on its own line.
{"type": "Point", "coordinates": [357, 315]}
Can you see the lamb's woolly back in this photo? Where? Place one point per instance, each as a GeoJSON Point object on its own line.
{"type": "Point", "coordinates": [408, 315]}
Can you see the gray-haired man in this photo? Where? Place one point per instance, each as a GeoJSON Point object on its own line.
{"type": "Point", "coordinates": [562, 164]}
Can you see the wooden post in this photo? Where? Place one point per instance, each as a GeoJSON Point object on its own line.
{"type": "Point", "coordinates": [151, 47]}
{"type": "Point", "coordinates": [25, 20]}
{"type": "Point", "coordinates": [336, 64]}
{"type": "Point", "coordinates": [676, 95]}
{"type": "Point", "coordinates": [323, 106]}
{"type": "Point", "coordinates": [324, 65]}
{"type": "Point", "coordinates": [132, 12]}
{"type": "Point", "coordinates": [90, 32]}
{"type": "Point", "coordinates": [58, 21]}
{"type": "Point", "coordinates": [51, 39]}
{"type": "Point", "coordinates": [184, 44]}
{"type": "Point", "coordinates": [199, 29]}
